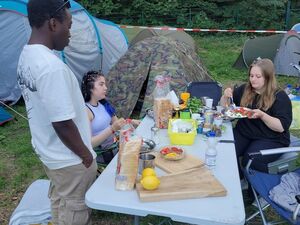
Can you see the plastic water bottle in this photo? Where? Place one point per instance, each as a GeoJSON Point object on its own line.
{"type": "Point", "coordinates": [211, 151]}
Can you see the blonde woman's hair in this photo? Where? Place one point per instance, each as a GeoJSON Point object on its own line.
{"type": "Point", "coordinates": [267, 95]}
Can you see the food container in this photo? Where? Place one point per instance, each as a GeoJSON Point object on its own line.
{"type": "Point", "coordinates": [146, 161]}
{"type": "Point", "coordinates": [182, 138]}
{"type": "Point", "coordinates": [208, 117]}
{"type": "Point", "coordinates": [185, 114]}
{"type": "Point", "coordinates": [172, 153]}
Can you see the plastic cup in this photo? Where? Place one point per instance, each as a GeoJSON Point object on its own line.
{"type": "Point", "coordinates": [209, 103]}
{"type": "Point", "coordinates": [196, 116]}
{"type": "Point", "coordinates": [218, 121]}
{"type": "Point", "coordinates": [185, 96]}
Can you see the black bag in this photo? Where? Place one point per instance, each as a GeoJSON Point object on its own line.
{"type": "Point", "coordinates": [105, 155]}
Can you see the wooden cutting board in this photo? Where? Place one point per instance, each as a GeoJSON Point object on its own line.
{"type": "Point", "coordinates": [187, 163]}
{"type": "Point", "coordinates": [195, 183]}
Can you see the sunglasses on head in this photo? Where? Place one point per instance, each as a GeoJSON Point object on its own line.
{"type": "Point", "coordinates": [256, 60]}
{"type": "Point", "coordinates": [66, 4]}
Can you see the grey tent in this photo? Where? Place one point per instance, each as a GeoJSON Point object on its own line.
{"type": "Point", "coordinates": [131, 80]}
{"type": "Point", "coordinates": [94, 44]}
{"type": "Point", "coordinates": [282, 49]}
{"type": "Point", "coordinates": [180, 36]}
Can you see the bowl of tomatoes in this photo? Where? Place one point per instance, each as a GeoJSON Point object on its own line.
{"type": "Point", "coordinates": [172, 153]}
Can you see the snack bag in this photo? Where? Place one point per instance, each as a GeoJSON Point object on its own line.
{"type": "Point", "coordinates": [162, 106]}
{"type": "Point", "coordinates": [128, 158]}
{"type": "Point", "coordinates": [296, 113]}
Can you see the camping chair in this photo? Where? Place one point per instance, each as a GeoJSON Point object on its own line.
{"type": "Point", "coordinates": [35, 206]}
{"type": "Point", "coordinates": [209, 89]}
{"type": "Point", "coordinates": [261, 183]}
{"type": "Point", "coordinates": [287, 161]}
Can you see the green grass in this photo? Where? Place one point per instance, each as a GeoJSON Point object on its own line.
{"type": "Point", "coordinates": [219, 53]}
{"type": "Point", "coordinates": [19, 166]}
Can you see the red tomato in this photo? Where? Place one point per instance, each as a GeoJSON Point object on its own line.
{"type": "Point", "coordinates": [174, 149]}
{"type": "Point", "coordinates": [177, 150]}
{"type": "Point", "coordinates": [249, 114]}
{"type": "Point", "coordinates": [165, 151]}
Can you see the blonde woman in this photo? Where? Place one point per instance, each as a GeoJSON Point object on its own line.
{"type": "Point", "coordinates": [271, 114]}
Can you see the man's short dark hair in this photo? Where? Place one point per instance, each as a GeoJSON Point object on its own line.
{"type": "Point", "coordinates": [40, 11]}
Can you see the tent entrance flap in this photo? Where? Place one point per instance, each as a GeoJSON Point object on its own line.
{"type": "Point", "coordinates": [136, 112]}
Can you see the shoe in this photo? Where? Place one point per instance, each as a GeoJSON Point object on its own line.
{"type": "Point", "coordinates": [262, 202]}
{"type": "Point", "coordinates": [244, 184]}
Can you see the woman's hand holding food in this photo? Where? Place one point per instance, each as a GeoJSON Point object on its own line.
{"type": "Point", "coordinates": [224, 99]}
{"type": "Point", "coordinates": [118, 124]}
{"type": "Point", "coordinates": [135, 123]}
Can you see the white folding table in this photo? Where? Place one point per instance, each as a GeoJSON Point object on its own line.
{"type": "Point", "coordinates": [207, 211]}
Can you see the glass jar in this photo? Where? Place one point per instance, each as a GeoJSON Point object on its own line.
{"type": "Point", "coordinates": [162, 105]}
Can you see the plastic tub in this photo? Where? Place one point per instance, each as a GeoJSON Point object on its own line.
{"type": "Point", "coordinates": [182, 138]}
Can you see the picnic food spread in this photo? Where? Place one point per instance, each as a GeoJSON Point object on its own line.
{"type": "Point", "coordinates": [172, 159]}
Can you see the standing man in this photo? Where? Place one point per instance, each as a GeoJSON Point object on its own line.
{"type": "Point", "coordinates": [57, 116]}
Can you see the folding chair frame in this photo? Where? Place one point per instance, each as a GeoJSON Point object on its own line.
{"type": "Point", "coordinates": [252, 157]}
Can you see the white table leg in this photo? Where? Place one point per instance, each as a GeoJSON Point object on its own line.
{"type": "Point", "coordinates": [136, 220]}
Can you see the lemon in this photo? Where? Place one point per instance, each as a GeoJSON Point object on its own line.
{"type": "Point", "coordinates": [150, 182]}
{"type": "Point", "coordinates": [148, 172]}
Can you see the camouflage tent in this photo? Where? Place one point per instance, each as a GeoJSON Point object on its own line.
{"type": "Point", "coordinates": [172, 34]}
{"type": "Point", "coordinates": [132, 78]}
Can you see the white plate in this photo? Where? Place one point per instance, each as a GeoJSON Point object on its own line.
{"type": "Point", "coordinates": [235, 114]}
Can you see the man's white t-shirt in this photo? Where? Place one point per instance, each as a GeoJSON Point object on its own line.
{"type": "Point", "coordinates": [52, 94]}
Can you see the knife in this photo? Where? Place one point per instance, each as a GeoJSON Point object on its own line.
{"type": "Point", "coordinates": [227, 141]}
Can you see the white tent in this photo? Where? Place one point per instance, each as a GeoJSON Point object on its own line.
{"type": "Point", "coordinates": [94, 44]}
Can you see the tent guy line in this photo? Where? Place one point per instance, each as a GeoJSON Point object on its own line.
{"type": "Point", "coordinates": [208, 30]}
{"type": "Point", "coordinates": [14, 110]}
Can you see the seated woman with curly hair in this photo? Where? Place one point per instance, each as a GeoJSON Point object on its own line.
{"type": "Point", "coordinates": [104, 122]}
